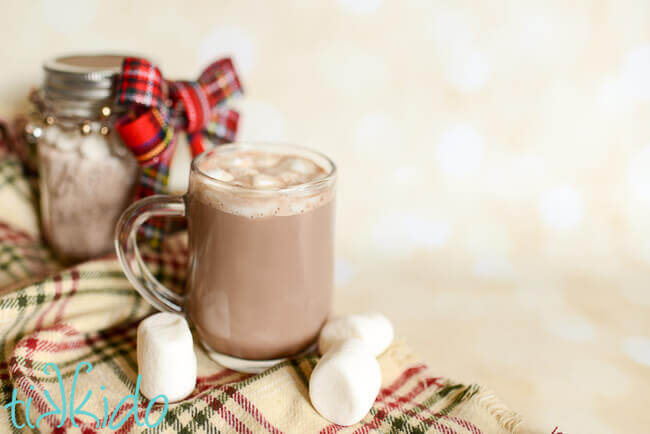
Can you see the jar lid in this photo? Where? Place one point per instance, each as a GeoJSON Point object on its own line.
{"type": "Point", "coordinates": [81, 84]}
{"type": "Point", "coordinates": [82, 77]}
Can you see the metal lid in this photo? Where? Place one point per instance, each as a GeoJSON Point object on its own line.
{"type": "Point", "coordinates": [80, 85]}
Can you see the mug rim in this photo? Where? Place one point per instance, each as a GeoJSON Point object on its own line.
{"type": "Point", "coordinates": [302, 187]}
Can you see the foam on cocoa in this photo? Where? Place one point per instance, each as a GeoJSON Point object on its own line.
{"type": "Point", "coordinates": [259, 184]}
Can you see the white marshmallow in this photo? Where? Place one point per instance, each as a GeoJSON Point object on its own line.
{"type": "Point", "coordinates": [238, 162]}
{"type": "Point", "coordinates": [220, 174]}
{"type": "Point", "coordinates": [265, 181]}
{"type": "Point", "coordinates": [373, 329]}
{"type": "Point", "coordinates": [267, 160]}
{"type": "Point", "coordinates": [288, 178]}
{"type": "Point", "coordinates": [166, 358]}
{"type": "Point", "coordinates": [51, 134]}
{"type": "Point", "coordinates": [94, 147]}
{"type": "Point", "coordinates": [345, 382]}
{"type": "Point", "coordinates": [64, 140]}
{"type": "Point", "coordinates": [301, 165]}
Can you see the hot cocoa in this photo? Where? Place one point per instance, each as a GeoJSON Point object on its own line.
{"type": "Point", "coordinates": [261, 240]}
{"type": "Point", "coordinates": [261, 231]}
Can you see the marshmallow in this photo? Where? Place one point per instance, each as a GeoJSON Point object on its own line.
{"type": "Point", "coordinates": [220, 174]}
{"type": "Point", "coordinates": [51, 134]}
{"type": "Point", "coordinates": [301, 165]}
{"type": "Point", "coordinates": [238, 161]}
{"type": "Point", "coordinates": [63, 140]}
{"type": "Point", "coordinates": [94, 147]}
{"type": "Point", "coordinates": [373, 329]}
{"type": "Point", "coordinates": [267, 160]}
{"type": "Point", "coordinates": [289, 178]}
{"type": "Point", "coordinates": [166, 358]}
{"type": "Point", "coordinates": [264, 181]}
{"type": "Point", "coordinates": [345, 382]}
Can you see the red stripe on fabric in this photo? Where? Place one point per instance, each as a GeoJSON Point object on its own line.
{"type": "Point", "coordinates": [420, 387]}
{"type": "Point", "coordinates": [50, 346]}
{"type": "Point", "coordinates": [21, 380]}
{"type": "Point", "coordinates": [216, 376]}
{"type": "Point", "coordinates": [464, 423]}
{"type": "Point", "coordinates": [251, 409]}
{"type": "Point", "coordinates": [206, 383]}
{"type": "Point", "coordinates": [424, 382]}
{"type": "Point", "coordinates": [226, 415]}
{"type": "Point", "coordinates": [9, 233]}
{"type": "Point", "coordinates": [74, 274]}
{"type": "Point", "coordinates": [388, 407]}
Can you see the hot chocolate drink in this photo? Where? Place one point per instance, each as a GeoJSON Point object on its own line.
{"type": "Point", "coordinates": [261, 228]}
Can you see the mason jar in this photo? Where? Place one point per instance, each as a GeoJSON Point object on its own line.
{"type": "Point", "coordinates": [86, 175]}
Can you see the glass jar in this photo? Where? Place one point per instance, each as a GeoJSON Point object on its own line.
{"type": "Point", "coordinates": [86, 175]}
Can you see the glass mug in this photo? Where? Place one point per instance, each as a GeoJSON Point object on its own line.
{"type": "Point", "coordinates": [261, 260]}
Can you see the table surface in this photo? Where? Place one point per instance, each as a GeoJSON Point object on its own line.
{"type": "Point", "coordinates": [554, 346]}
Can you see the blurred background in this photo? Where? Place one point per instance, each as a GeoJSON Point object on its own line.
{"type": "Point", "coordinates": [494, 196]}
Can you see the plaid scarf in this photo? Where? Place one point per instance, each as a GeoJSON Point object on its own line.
{"type": "Point", "coordinates": [159, 109]}
{"type": "Point", "coordinates": [90, 312]}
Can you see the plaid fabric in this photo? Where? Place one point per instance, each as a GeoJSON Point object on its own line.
{"type": "Point", "coordinates": [21, 253]}
{"type": "Point", "coordinates": [141, 83]}
{"type": "Point", "coordinates": [223, 127]}
{"type": "Point", "coordinates": [192, 107]}
{"type": "Point", "coordinates": [90, 313]}
{"type": "Point", "coordinates": [159, 109]}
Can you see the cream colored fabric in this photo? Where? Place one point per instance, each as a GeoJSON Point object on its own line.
{"type": "Point", "coordinates": [82, 321]}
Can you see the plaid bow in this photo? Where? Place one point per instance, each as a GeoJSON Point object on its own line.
{"type": "Point", "coordinates": [158, 109]}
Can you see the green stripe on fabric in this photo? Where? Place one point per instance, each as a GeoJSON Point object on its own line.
{"type": "Point", "coordinates": [100, 274]}
{"type": "Point", "coordinates": [437, 396]}
{"type": "Point", "coordinates": [295, 364]}
{"type": "Point", "coordinates": [411, 423]}
{"type": "Point", "coordinates": [11, 174]}
{"type": "Point", "coordinates": [23, 300]}
{"type": "Point", "coordinates": [223, 397]}
{"type": "Point", "coordinates": [5, 392]}
{"type": "Point", "coordinates": [110, 361]}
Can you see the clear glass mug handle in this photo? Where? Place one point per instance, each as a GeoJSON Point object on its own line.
{"type": "Point", "coordinates": [129, 255]}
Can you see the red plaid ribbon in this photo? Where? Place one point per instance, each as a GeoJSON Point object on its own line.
{"type": "Point", "coordinates": [158, 109]}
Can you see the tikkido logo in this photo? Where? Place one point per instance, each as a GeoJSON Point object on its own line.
{"type": "Point", "coordinates": [64, 412]}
